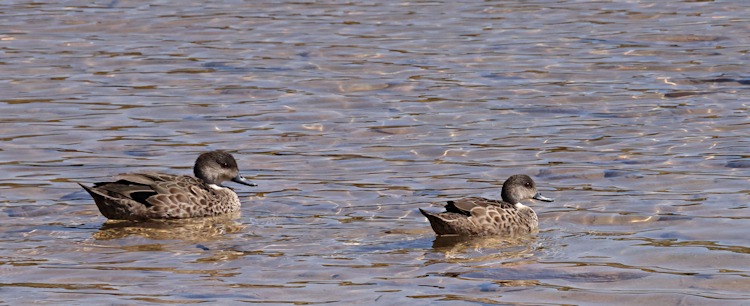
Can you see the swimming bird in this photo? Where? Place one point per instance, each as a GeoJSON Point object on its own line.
{"type": "Point", "coordinates": [477, 216]}
{"type": "Point", "coordinates": [142, 196]}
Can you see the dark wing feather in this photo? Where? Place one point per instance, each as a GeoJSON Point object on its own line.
{"type": "Point", "coordinates": [138, 187]}
{"type": "Point", "coordinates": [127, 190]}
{"type": "Point", "coordinates": [465, 205]}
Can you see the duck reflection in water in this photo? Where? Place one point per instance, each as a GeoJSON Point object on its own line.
{"type": "Point", "coordinates": [195, 230]}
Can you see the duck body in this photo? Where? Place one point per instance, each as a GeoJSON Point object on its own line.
{"type": "Point", "coordinates": [142, 196]}
{"type": "Point", "coordinates": [477, 216]}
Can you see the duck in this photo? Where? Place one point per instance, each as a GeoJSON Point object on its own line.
{"type": "Point", "coordinates": [478, 216]}
{"type": "Point", "coordinates": [153, 195]}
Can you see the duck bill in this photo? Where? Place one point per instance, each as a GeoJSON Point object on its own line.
{"type": "Point", "coordinates": [241, 180]}
{"type": "Point", "coordinates": [540, 197]}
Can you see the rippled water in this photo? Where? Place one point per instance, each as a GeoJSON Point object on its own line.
{"type": "Point", "coordinates": [351, 115]}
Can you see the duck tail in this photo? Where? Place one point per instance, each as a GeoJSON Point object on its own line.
{"type": "Point", "coordinates": [439, 225]}
{"type": "Point", "coordinates": [101, 202]}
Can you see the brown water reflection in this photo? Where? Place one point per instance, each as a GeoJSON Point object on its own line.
{"type": "Point", "coordinates": [350, 116]}
{"type": "Point", "coordinates": [190, 230]}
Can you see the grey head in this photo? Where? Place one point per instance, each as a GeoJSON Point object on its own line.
{"type": "Point", "coordinates": [521, 187]}
{"type": "Point", "coordinates": [216, 167]}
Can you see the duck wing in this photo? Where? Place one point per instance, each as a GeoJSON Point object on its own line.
{"type": "Point", "coordinates": [141, 187]}
{"type": "Point", "coordinates": [465, 205]}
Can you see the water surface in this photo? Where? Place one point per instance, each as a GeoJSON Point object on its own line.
{"type": "Point", "coordinates": [352, 115]}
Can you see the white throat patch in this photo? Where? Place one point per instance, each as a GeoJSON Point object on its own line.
{"type": "Point", "coordinates": [216, 187]}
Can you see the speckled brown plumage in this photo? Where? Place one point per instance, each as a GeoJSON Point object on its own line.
{"type": "Point", "coordinates": [476, 216]}
{"type": "Point", "coordinates": [138, 196]}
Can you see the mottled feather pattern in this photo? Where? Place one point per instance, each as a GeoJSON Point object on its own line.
{"type": "Point", "coordinates": [487, 218]}
{"type": "Point", "coordinates": [173, 197]}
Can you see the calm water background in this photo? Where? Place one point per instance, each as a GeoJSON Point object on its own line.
{"type": "Point", "coordinates": [633, 115]}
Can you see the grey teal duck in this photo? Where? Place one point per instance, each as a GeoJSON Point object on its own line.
{"type": "Point", "coordinates": [142, 196]}
{"type": "Point", "coordinates": [476, 216]}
